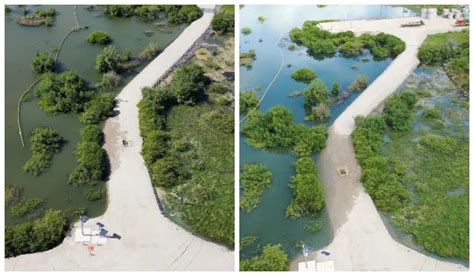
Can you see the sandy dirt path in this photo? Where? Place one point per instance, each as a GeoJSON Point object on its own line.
{"type": "Point", "coordinates": [149, 240]}
{"type": "Point", "coordinates": [361, 240]}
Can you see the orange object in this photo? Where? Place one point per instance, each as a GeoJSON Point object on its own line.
{"type": "Point", "coordinates": [90, 248]}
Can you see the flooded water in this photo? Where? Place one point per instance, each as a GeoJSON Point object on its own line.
{"type": "Point", "coordinates": [267, 221]}
{"type": "Point", "coordinates": [21, 44]}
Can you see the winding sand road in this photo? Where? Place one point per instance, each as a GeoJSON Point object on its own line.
{"type": "Point", "coordinates": [149, 240]}
{"type": "Point", "coordinates": [361, 241]}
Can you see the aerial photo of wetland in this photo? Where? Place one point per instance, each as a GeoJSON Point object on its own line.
{"type": "Point", "coordinates": [119, 137]}
{"type": "Point", "coordinates": [354, 138]}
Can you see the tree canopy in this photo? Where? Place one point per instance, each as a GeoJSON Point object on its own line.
{"type": "Point", "coordinates": [63, 93]}
{"type": "Point", "coordinates": [43, 63]}
{"type": "Point", "coordinates": [305, 75]}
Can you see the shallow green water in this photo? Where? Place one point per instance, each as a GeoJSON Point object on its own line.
{"type": "Point", "coordinates": [267, 221]}
{"type": "Point", "coordinates": [21, 43]}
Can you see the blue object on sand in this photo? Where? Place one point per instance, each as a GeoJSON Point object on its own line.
{"type": "Point", "coordinates": [325, 253]}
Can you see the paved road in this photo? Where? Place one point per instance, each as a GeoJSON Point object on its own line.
{"type": "Point", "coordinates": [361, 240]}
{"type": "Point", "coordinates": [149, 240]}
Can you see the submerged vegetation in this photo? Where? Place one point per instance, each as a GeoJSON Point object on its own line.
{"type": "Point", "coordinates": [254, 179]}
{"type": "Point", "coordinates": [247, 58]}
{"type": "Point", "coordinates": [45, 142]}
{"type": "Point", "coordinates": [99, 38]}
{"type": "Point", "coordinates": [322, 43]}
{"type": "Point", "coordinates": [359, 84]}
{"type": "Point", "coordinates": [451, 50]}
{"type": "Point", "coordinates": [273, 258]}
{"type": "Point", "coordinates": [188, 147]}
{"type": "Point", "coordinates": [420, 175]}
{"type": "Point", "coordinates": [305, 75]}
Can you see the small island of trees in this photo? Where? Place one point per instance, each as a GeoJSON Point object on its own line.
{"type": "Point", "coordinates": [322, 43]}
{"type": "Point", "coordinates": [99, 38]}
{"type": "Point", "coordinates": [305, 75]}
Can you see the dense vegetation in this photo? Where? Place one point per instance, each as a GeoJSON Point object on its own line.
{"type": "Point", "coordinates": [248, 102]}
{"type": "Point", "coordinates": [387, 192]}
{"type": "Point", "coordinates": [39, 235]}
{"type": "Point", "coordinates": [223, 21]}
{"type": "Point", "coordinates": [188, 149]}
{"type": "Point", "coordinates": [43, 63]}
{"type": "Point", "coordinates": [98, 109]}
{"type": "Point", "coordinates": [305, 75]}
{"type": "Point", "coordinates": [175, 14]}
{"type": "Point", "coordinates": [307, 190]}
{"type": "Point", "coordinates": [398, 111]}
{"type": "Point", "coordinates": [66, 92]}
{"type": "Point", "coordinates": [254, 179]}
{"type": "Point", "coordinates": [91, 158]}
{"type": "Point", "coordinates": [420, 178]}
{"type": "Point", "coordinates": [451, 49]}
{"type": "Point", "coordinates": [275, 129]}
{"type": "Point", "coordinates": [45, 142]}
{"type": "Point", "coordinates": [111, 60]}
{"type": "Point", "coordinates": [322, 43]}
{"type": "Point", "coordinates": [99, 38]}
{"type": "Point", "coordinates": [273, 258]}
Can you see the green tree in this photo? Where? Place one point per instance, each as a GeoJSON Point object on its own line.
{"type": "Point", "coordinates": [248, 101]}
{"type": "Point", "coordinates": [40, 235]}
{"type": "Point", "coordinates": [307, 190]}
{"type": "Point", "coordinates": [270, 130]}
{"type": "Point", "coordinates": [43, 63]}
{"type": "Point", "coordinates": [108, 60]}
{"type": "Point", "coordinates": [99, 38]}
{"type": "Point", "coordinates": [98, 109]}
{"type": "Point", "coordinates": [223, 21]}
{"type": "Point", "coordinates": [305, 75]}
{"type": "Point", "coordinates": [187, 83]}
{"type": "Point", "coordinates": [273, 258]}
{"type": "Point", "coordinates": [314, 94]}
{"type": "Point", "coordinates": [63, 93]}
{"type": "Point", "coordinates": [397, 111]}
